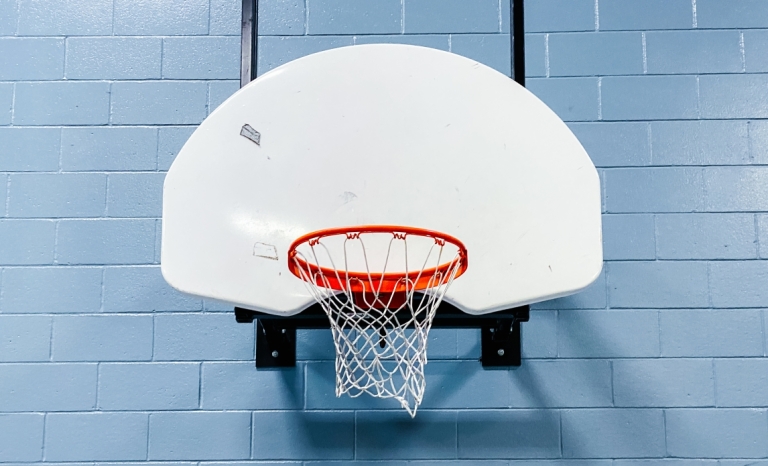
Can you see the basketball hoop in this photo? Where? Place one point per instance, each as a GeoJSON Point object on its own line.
{"type": "Point", "coordinates": [380, 308]}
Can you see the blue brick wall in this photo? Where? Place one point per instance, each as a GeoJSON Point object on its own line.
{"type": "Point", "coordinates": [661, 362]}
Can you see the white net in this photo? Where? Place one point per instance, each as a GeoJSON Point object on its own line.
{"type": "Point", "coordinates": [380, 309]}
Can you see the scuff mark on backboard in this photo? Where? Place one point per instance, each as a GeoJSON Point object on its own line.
{"type": "Point", "coordinates": [249, 133]}
{"type": "Point", "coordinates": [347, 197]}
{"type": "Point", "coordinates": [267, 251]}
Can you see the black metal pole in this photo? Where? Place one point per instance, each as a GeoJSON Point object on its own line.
{"type": "Point", "coordinates": [248, 41]}
{"type": "Point", "coordinates": [517, 36]}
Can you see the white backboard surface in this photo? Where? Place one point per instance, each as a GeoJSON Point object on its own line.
{"type": "Point", "coordinates": [382, 134]}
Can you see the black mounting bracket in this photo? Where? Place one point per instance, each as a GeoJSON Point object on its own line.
{"type": "Point", "coordinates": [249, 37]}
{"type": "Point", "coordinates": [501, 337]}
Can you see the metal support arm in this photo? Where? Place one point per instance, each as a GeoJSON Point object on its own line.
{"type": "Point", "coordinates": [500, 332]}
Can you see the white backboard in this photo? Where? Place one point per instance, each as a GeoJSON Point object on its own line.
{"type": "Point", "coordinates": [382, 134]}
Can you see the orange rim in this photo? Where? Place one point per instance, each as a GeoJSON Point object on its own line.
{"type": "Point", "coordinates": [358, 282]}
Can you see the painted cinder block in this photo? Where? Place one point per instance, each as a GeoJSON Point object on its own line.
{"type": "Point", "coordinates": [149, 386]}
{"type": "Point", "coordinates": [649, 98]}
{"type": "Point", "coordinates": [6, 102]}
{"type": "Point", "coordinates": [315, 345]}
{"type": "Point", "coordinates": [733, 96]}
{"type": "Point", "coordinates": [489, 49]}
{"type": "Point", "coordinates": [275, 51]}
{"type": "Point", "coordinates": [539, 336]}
{"type": "Point", "coordinates": [613, 433]}
{"type": "Point", "coordinates": [219, 91]}
{"type": "Point", "coordinates": [106, 241]}
{"type": "Point", "coordinates": [708, 142]}
{"type": "Point", "coordinates": [592, 297]}
{"type": "Point", "coordinates": [321, 377]}
{"type": "Point", "coordinates": [519, 433]}
{"type": "Point", "coordinates": [281, 18]}
{"type": "Point", "coordinates": [706, 236]}
{"type": "Point", "coordinates": [217, 435]}
{"type": "Point", "coordinates": [57, 195]}
{"type": "Point", "coordinates": [755, 49]}
{"type": "Point", "coordinates": [535, 54]}
{"type": "Point", "coordinates": [663, 382]}
{"type": "Point", "coordinates": [108, 148]}
{"type": "Point", "coordinates": [751, 193]}
{"type": "Point", "coordinates": [65, 18]}
{"type": "Point", "coordinates": [351, 17]}
{"type": "Point", "coordinates": [202, 337]}
{"type": "Point", "coordinates": [239, 385]}
{"type": "Point", "coordinates": [559, 15]}
{"type": "Point", "coordinates": [27, 242]}
{"type": "Point", "coordinates": [676, 462]}
{"type": "Point", "coordinates": [762, 235]}
{"type": "Point", "coordinates": [226, 17]}
{"type": "Point", "coordinates": [47, 387]}
{"type": "Point", "coordinates": [25, 338]}
{"type": "Point", "coordinates": [168, 18]}
{"type": "Point", "coordinates": [593, 53]}
{"type": "Point", "coordinates": [62, 103]}
{"type": "Point", "coordinates": [318, 435]}
{"type": "Point", "coordinates": [701, 333]}
{"type": "Point", "coordinates": [435, 41]}
{"type": "Point", "coordinates": [608, 334]}
{"type": "Point", "coordinates": [573, 99]}
{"type": "Point", "coordinates": [102, 338]}
{"type": "Point", "coordinates": [121, 241]}
{"type": "Point", "coordinates": [51, 290]}
{"type": "Point", "coordinates": [478, 388]}
{"type": "Point", "coordinates": [662, 284]}
{"type": "Point", "coordinates": [629, 237]}
{"type": "Point", "coordinates": [32, 59]}
{"type": "Point", "coordinates": [96, 436]}
{"type": "Point", "coordinates": [758, 141]}
{"type": "Point", "coordinates": [645, 14]}
{"type": "Point", "coordinates": [394, 435]}
{"type": "Point", "coordinates": [738, 283]}
{"type": "Point", "coordinates": [143, 289]}
{"type": "Point", "coordinates": [135, 194]}
{"type": "Point", "coordinates": [159, 102]}
{"type": "Point", "coordinates": [730, 15]}
{"type": "Point", "coordinates": [742, 382]}
{"type": "Point", "coordinates": [561, 384]}
{"type": "Point", "coordinates": [10, 18]}
{"type": "Point", "coordinates": [29, 149]}
{"type": "Point", "coordinates": [201, 57]}
{"type": "Point", "coordinates": [113, 58]}
{"type": "Point", "coordinates": [450, 16]}
{"type": "Point", "coordinates": [693, 52]}
{"type": "Point", "coordinates": [171, 140]}
{"type": "Point", "coordinates": [21, 437]}
{"type": "Point", "coordinates": [615, 144]}
{"type": "Point", "coordinates": [636, 190]}
{"type": "Point", "coordinates": [717, 433]}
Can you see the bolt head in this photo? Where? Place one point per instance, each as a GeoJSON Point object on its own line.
{"type": "Point", "coordinates": [274, 354]}
{"type": "Point", "coordinates": [500, 352]}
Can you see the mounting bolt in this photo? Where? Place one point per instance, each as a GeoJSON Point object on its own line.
{"type": "Point", "coordinates": [499, 352]}
{"type": "Point", "coordinates": [275, 353]}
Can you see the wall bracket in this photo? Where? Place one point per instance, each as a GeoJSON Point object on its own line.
{"type": "Point", "coordinates": [501, 339]}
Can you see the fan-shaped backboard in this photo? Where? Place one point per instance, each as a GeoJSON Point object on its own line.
{"type": "Point", "coordinates": [382, 134]}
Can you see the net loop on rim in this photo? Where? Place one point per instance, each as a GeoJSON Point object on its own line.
{"type": "Point", "coordinates": [380, 308]}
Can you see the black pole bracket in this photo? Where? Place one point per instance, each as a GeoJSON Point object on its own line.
{"type": "Point", "coordinates": [500, 332]}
